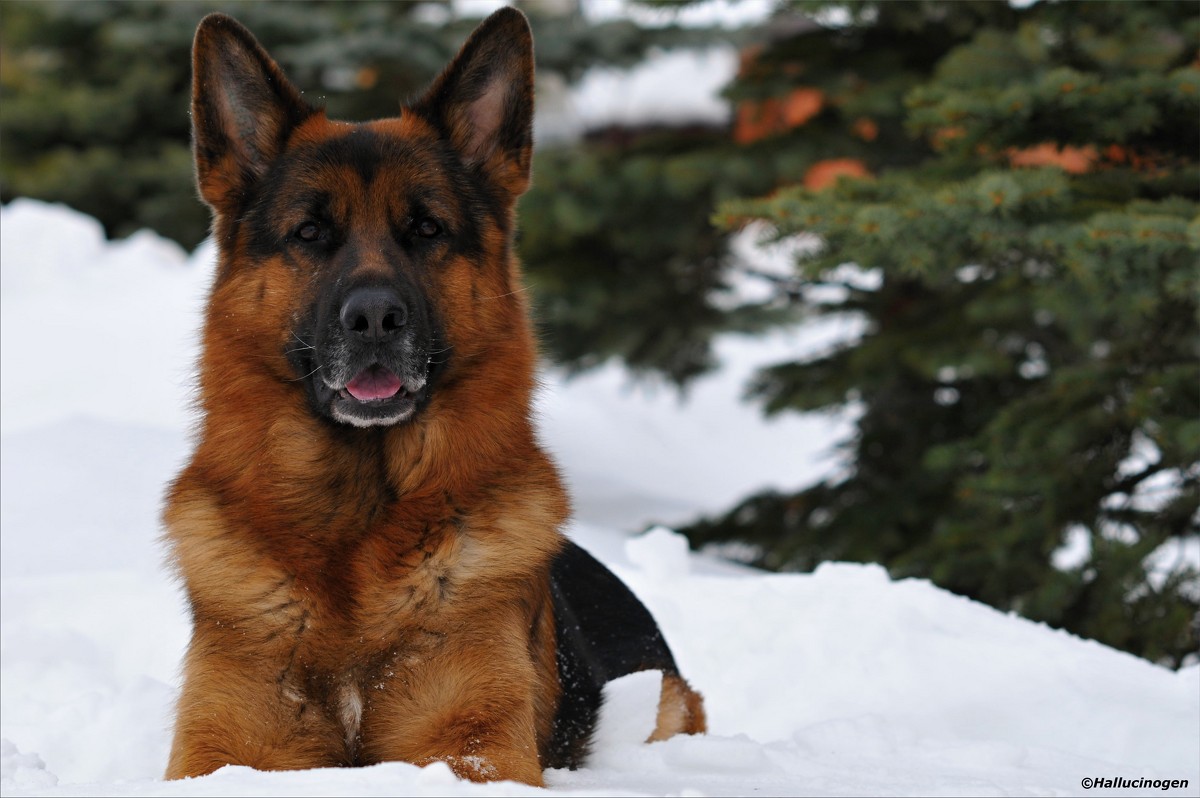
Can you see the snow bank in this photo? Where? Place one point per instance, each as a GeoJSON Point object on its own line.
{"type": "Point", "coordinates": [839, 682]}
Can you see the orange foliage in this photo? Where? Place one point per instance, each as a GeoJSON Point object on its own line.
{"type": "Point", "coordinates": [945, 134]}
{"type": "Point", "coordinates": [755, 120]}
{"type": "Point", "coordinates": [801, 105]}
{"type": "Point", "coordinates": [747, 58]}
{"type": "Point", "coordinates": [1075, 160]}
{"type": "Point", "coordinates": [825, 173]}
{"type": "Point", "coordinates": [1140, 161]}
{"type": "Point", "coordinates": [865, 128]}
{"type": "Point", "coordinates": [759, 119]}
{"type": "Point", "coordinates": [367, 77]}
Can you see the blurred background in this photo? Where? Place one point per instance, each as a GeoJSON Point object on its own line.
{"type": "Point", "coordinates": [1001, 198]}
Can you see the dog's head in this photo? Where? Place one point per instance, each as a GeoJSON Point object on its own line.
{"type": "Point", "coordinates": [365, 264]}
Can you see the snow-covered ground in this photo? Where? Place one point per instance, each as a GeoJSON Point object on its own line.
{"type": "Point", "coordinates": [839, 682]}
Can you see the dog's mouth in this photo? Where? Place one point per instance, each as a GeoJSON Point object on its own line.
{"type": "Point", "coordinates": [376, 376]}
{"type": "Point", "coordinates": [376, 396]}
{"type": "Point", "coordinates": [373, 384]}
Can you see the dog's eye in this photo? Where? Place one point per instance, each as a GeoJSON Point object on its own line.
{"type": "Point", "coordinates": [426, 227]}
{"type": "Point", "coordinates": [309, 232]}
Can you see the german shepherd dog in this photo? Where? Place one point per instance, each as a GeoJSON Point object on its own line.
{"type": "Point", "coordinates": [367, 531]}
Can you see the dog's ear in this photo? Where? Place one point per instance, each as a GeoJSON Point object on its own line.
{"type": "Point", "coordinates": [243, 109]}
{"type": "Point", "coordinates": [484, 100]}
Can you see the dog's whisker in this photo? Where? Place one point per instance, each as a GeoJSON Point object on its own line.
{"type": "Point", "coordinates": [309, 374]}
{"type": "Point", "coordinates": [303, 344]}
{"type": "Point", "coordinates": [510, 293]}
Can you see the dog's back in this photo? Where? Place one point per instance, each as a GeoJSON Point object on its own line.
{"type": "Point", "coordinates": [605, 632]}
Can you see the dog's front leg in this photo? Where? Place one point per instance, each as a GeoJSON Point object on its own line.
{"type": "Point", "coordinates": [470, 707]}
{"type": "Point", "coordinates": [242, 708]}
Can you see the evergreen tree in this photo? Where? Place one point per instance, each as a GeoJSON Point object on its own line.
{"type": "Point", "coordinates": [1023, 181]}
{"type": "Point", "coordinates": [1030, 370]}
{"type": "Point", "coordinates": [94, 96]}
{"type": "Point", "coordinates": [618, 246]}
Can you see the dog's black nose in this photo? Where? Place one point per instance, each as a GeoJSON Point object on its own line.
{"type": "Point", "coordinates": [374, 313]}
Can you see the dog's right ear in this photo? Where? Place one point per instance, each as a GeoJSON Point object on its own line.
{"type": "Point", "coordinates": [243, 108]}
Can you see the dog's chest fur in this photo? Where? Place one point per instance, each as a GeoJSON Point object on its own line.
{"type": "Point", "coordinates": [345, 614]}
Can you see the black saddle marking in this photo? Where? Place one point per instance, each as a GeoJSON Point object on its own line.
{"type": "Point", "coordinates": [604, 632]}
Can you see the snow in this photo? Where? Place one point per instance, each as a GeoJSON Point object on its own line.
{"type": "Point", "coordinates": [722, 13]}
{"type": "Point", "coordinates": [611, 96]}
{"type": "Point", "coordinates": [667, 87]}
{"type": "Point", "coordinates": [840, 682]}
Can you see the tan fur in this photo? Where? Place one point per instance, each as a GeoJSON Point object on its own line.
{"type": "Point", "coordinates": [680, 710]}
{"type": "Point", "coordinates": [366, 596]}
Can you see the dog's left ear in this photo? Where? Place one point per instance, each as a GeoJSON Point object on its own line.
{"type": "Point", "coordinates": [484, 100]}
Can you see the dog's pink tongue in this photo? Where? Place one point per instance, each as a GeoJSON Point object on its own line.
{"type": "Point", "coordinates": [375, 382]}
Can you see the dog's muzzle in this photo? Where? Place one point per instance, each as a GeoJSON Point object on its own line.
{"type": "Point", "coordinates": [372, 358]}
